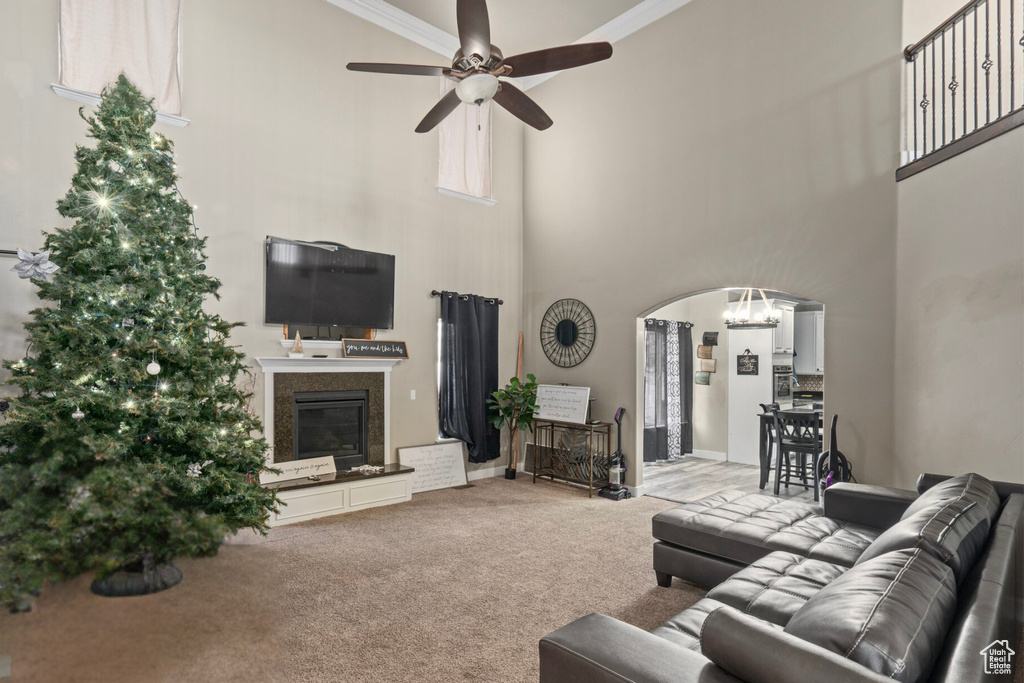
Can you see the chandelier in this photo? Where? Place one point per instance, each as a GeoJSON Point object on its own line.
{"type": "Point", "coordinates": [738, 315]}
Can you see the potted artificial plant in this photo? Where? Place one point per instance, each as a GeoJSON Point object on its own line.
{"type": "Point", "coordinates": [513, 407]}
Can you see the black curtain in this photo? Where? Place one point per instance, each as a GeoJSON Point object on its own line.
{"type": "Point", "coordinates": [668, 390]}
{"type": "Point", "coordinates": [469, 372]}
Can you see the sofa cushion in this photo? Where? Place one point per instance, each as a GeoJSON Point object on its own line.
{"type": "Point", "coordinates": [969, 487]}
{"type": "Point", "coordinates": [745, 527]}
{"type": "Point", "coordinates": [684, 628]}
{"type": "Point", "coordinates": [889, 614]}
{"type": "Point", "coordinates": [955, 532]}
{"type": "Point", "coordinates": [775, 587]}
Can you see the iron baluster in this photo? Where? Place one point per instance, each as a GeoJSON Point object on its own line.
{"type": "Point", "coordinates": [987, 66]}
{"type": "Point", "coordinates": [942, 81]}
{"type": "Point", "coordinates": [965, 73]}
{"type": "Point", "coordinates": [913, 102]}
{"type": "Point", "coordinates": [975, 73]}
{"type": "Point", "coordinates": [934, 136]}
{"type": "Point", "coordinates": [999, 54]}
{"type": "Point", "coordinates": [953, 85]}
{"type": "Point", "coordinates": [924, 102]}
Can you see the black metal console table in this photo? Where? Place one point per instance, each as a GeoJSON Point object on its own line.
{"type": "Point", "coordinates": [572, 452]}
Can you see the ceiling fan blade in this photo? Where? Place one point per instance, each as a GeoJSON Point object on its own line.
{"type": "Point", "coordinates": [522, 107]}
{"type": "Point", "coordinates": [557, 58]}
{"type": "Point", "coordinates": [406, 69]}
{"type": "Point", "coordinates": [441, 110]}
{"type": "Point", "coordinates": [474, 28]}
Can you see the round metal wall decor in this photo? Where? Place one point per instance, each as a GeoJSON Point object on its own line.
{"type": "Point", "coordinates": [567, 332]}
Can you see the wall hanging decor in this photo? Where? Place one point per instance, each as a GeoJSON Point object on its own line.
{"type": "Point", "coordinates": [704, 351]}
{"type": "Point", "coordinates": [746, 363]}
{"type": "Point", "coordinates": [703, 378]}
{"type": "Point", "coordinates": [567, 332]}
{"type": "Point", "coordinates": [708, 364]}
{"type": "Point", "coordinates": [710, 339]}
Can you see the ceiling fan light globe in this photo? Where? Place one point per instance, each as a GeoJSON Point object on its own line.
{"type": "Point", "coordinates": [477, 89]}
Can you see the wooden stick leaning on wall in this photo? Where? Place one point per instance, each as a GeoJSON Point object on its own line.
{"type": "Point", "coordinates": [515, 436]}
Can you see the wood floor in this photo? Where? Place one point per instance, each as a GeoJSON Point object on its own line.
{"type": "Point", "coordinates": [692, 478]}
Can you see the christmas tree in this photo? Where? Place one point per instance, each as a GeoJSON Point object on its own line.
{"type": "Point", "coordinates": [131, 443]}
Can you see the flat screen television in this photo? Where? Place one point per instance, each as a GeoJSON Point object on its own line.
{"type": "Point", "coordinates": [319, 283]}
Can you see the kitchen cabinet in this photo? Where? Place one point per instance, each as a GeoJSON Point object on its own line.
{"type": "Point", "coordinates": [782, 337]}
{"type": "Point", "coordinates": [809, 343]}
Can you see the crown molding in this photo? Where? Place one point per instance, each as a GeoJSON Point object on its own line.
{"type": "Point", "coordinates": [403, 24]}
{"type": "Point", "coordinates": [443, 43]}
{"type": "Point", "coordinates": [626, 24]}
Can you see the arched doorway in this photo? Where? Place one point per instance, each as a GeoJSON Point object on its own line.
{"type": "Point", "coordinates": [700, 393]}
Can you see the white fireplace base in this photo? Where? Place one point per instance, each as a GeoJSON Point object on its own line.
{"type": "Point", "coordinates": [335, 499]}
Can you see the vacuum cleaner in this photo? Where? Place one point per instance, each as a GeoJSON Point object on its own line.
{"type": "Point", "coordinates": [616, 488]}
{"type": "Point", "coordinates": [833, 467]}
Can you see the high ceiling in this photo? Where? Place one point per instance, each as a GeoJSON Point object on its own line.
{"type": "Point", "coordinates": [525, 25]}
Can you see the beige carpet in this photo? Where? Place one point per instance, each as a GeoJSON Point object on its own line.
{"type": "Point", "coordinates": [458, 585]}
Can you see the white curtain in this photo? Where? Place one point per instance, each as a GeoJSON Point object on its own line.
{"type": "Point", "coordinates": [99, 39]}
{"type": "Point", "coordinates": [464, 162]}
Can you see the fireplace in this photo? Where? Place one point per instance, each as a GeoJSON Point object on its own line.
{"type": "Point", "coordinates": [331, 423]}
{"type": "Point", "coordinates": [308, 413]}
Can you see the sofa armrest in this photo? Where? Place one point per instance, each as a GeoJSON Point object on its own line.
{"type": "Point", "coordinates": [599, 649]}
{"type": "Point", "coordinates": [875, 506]}
{"type": "Point", "coordinates": [757, 652]}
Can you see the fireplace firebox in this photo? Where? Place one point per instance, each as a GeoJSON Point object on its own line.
{"type": "Point", "coordinates": [331, 423]}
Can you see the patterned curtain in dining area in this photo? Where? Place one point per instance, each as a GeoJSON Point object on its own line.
{"type": "Point", "coordinates": [668, 390]}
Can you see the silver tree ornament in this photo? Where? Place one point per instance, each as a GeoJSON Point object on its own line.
{"type": "Point", "coordinates": [34, 266]}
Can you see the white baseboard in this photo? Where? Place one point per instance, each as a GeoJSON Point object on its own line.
{"type": "Point", "coordinates": [710, 455]}
{"type": "Point", "coordinates": [473, 475]}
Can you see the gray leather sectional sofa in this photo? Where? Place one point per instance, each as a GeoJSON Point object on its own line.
{"type": "Point", "coordinates": [878, 585]}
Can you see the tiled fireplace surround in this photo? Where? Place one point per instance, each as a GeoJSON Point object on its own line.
{"type": "Point", "coordinates": [285, 385]}
{"type": "Point", "coordinates": [285, 376]}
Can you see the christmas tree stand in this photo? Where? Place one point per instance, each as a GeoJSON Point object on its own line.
{"type": "Point", "coordinates": [141, 578]}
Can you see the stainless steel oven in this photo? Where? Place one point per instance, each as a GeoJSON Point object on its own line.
{"type": "Point", "coordinates": [782, 383]}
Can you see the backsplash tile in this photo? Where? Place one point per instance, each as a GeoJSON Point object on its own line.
{"type": "Point", "coordinates": [811, 382]}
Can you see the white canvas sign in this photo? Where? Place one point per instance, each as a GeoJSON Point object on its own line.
{"type": "Point", "coordinates": [299, 469]}
{"type": "Point", "coordinates": [562, 404]}
{"type": "Point", "coordinates": [438, 466]}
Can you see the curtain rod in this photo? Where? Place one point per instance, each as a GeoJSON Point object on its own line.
{"type": "Point", "coordinates": [464, 297]}
{"type": "Point", "coordinates": [8, 252]}
{"type": "Point", "coordinates": [684, 323]}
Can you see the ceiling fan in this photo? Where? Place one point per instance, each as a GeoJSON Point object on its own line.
{"type": "Point", "coordinates": [477, 65]}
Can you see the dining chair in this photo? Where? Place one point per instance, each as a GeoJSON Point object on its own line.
{"type": "Point", "coordinates": [769, 427]}
{"type": "Point", "coordinates": [797, 434]}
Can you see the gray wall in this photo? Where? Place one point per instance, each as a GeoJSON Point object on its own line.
{"type": "Point", "coordinates": [959, 380]}
{"type": "Point", "coordinates": [730, 144]}
{"type": "Point", "coordinates": [710, 402]}
{"type": "Point", "coordinates": [283, 141]}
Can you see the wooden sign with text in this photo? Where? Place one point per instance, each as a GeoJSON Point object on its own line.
{"type": "Point", "coordinates": [299, 469]}
{"type": "Point", "coordinates": [562, 403]}
{"type": "Point", "coordinates": [438, 466]}
{"type": "Point", "coordinates": [373, 348]}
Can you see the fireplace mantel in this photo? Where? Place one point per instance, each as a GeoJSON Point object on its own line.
{"type": "Point", "coordinates": [278, 364]}
{"type": "Point", "coordinates": [345, 496]}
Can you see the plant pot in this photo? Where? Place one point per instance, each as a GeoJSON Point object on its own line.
{"type": "Point", "coordinates": [510, 473]}
{"type": "Point", "coordinates": [141, 579]}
